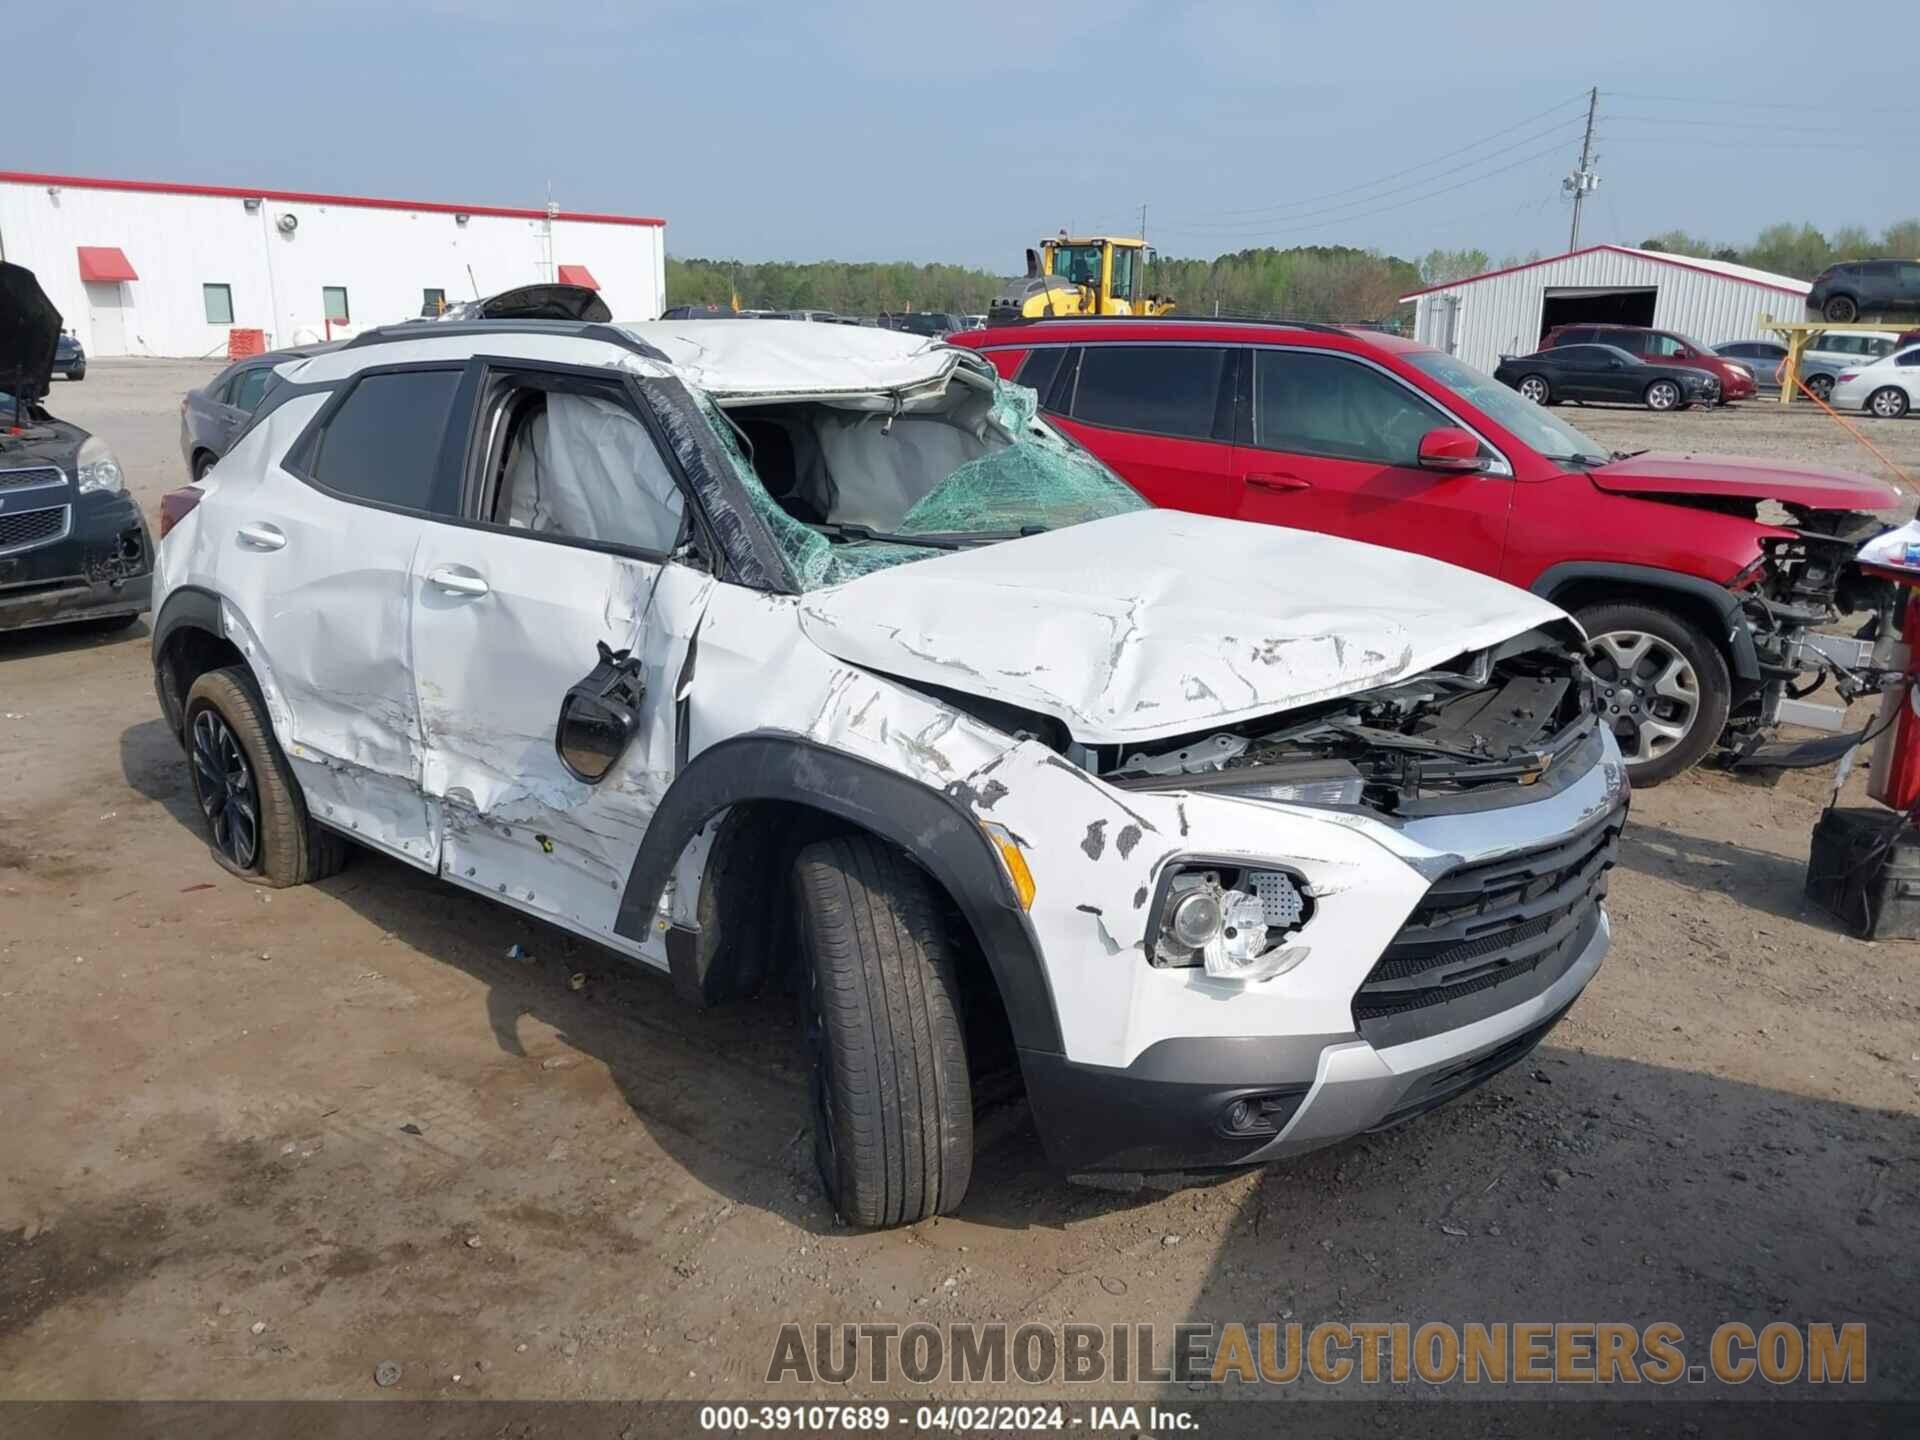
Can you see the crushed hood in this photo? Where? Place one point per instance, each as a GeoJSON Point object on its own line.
{"type": "Point", "coordinates": [29, 331]}
{"type": "Point", "coordinates": [1731, 477]}
{"type": "Point", "coordinates": [535, 302]}
{"type": "Point", "coordinates": [1159, 623]}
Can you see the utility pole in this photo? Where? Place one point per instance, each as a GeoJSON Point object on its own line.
{"type": "Point", "coordinates": [1143, 222]}
{"type": "Point", "coordinates": [1583, 180]}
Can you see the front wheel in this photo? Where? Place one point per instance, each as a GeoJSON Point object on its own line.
{"type": "Point", "coordinates": [1889, 402]}
{"type": "Point", "coordinates": [892, 1101]}
{"type": "Point", "coordinates": [79, 372]}
{"type": "Point", "coordinates": [1536, 389]}
{"type": "Point", "coordinates": [1842, 309]}
{"type": "Point", "coordinates": [1663, 395]}
{"type": "Point", "coordinates": [255, 813]}
{"type": "Point", "coordinates": [1664, 688]}
{"type": "Point", "coordinates": [1821, 386]}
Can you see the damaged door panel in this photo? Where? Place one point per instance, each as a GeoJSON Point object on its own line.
{"type": "Point", "coordinates": [509, 611]}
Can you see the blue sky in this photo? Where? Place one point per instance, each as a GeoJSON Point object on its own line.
{"type": "Point", "coordinates": [860, 130]}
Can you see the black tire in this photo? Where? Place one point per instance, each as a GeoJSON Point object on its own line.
{"type": "Point", "coordinates": [1841, 309]}
{"type": "Point", "coordinates": [286, 847]}
{"type": "Point", "coordinates": [1821, 386]}
{"type": "Point", "coordinates": [1713, 684]}
{"type": "Point", "coordinates": [892, 1099]}
{"type": "Point", "coordinates": [1542, 386]}
{"type": "Point", "coordinates": [1664, 395]}
{"type": "Point", "coordinates": [1889, 402]}
{"type": "Point", "coordinates": [203, 461]}
{"type": "Point", "coordinates": [77, 374]}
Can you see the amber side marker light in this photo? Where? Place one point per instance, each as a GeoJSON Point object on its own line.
{"type": "Point", "coordinates": [1012, 861]}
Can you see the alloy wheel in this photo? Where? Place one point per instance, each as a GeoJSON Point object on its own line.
{"type": "Point", "coordinates": [1649, 692]}
{"type": "Point", "coordinates": [1889, 403]}
{"type": "Point", "coordinates": [1535, 389]}
{"type": "Point", "coordinates": [1842, 309]}
{"type": "Point", "coordinates": [1821, 386]}
{"type": "Point", "coordinates": [1663, 395]}
{"type": "Point", "coordinates": [224, 785]}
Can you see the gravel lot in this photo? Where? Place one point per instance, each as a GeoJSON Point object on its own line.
{"type": "Point", "coordinates": [260, 1142]}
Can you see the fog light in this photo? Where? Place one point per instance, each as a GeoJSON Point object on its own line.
{"type": "Point", "coordinates": [1196, 919]}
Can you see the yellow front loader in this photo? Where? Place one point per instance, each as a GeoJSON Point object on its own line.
{"type": "Point", "coordinates": [1105, 275]}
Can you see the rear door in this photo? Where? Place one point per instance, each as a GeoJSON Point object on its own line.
{"type": "Point", "coordinates": [570, 520]}
{"type": "Point", "coordinates": [319, 553]}
{"type": "Point", "coordinates": [1161, 415]}
{"type": "Point", "coordinates": [1332, 445]}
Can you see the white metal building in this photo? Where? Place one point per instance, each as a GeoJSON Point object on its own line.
{"type": "Point", "coordinates": [1505, 312]}
{"type": "Point", "coordinates": [139, 268]}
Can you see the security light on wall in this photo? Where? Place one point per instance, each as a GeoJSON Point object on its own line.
{"type": "Point", "coordinates": [461, 217]}
{"type": "Point", "coordinates": [252, 202]}
{"type": "Point", "coordinates": [288, 223]}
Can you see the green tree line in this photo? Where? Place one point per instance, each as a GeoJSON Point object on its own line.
{"type": "Point", "coordinates": [1799, 250]}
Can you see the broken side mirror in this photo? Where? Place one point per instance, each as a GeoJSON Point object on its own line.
{"type": "Point", "coordinates": [600, 716]}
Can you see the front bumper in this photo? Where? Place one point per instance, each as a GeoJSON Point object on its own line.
{"type": "Point", "coordinates": [1166, 1110]}
{"type": "Point", "coordinates": [101, 569]}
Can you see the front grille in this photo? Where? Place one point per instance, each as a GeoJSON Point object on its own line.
{"type": "Point", "coordinates": [27, 528]}
{"type": "Point", "coordinates": [1488, 936]}
{"type": "Point", "coordinates": [32, 477]}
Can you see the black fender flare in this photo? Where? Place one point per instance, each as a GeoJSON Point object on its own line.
{"type": "Point", "coordinates": [1737, 635]}
{"type": "Point", "coordinates": [932, 826]}
{"type": "Point", "coordinates": [188, 608]}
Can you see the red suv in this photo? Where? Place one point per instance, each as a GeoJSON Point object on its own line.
{"type": "Point", "coordinates": [1700, 614]}
{"type": "Point", "coordinates": [1661, 347]}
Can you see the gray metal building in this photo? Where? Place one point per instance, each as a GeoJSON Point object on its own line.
{"type": "Point", "coordinates": [1505, 312]}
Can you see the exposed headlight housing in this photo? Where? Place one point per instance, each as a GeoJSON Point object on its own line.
{"type": "Point", "coordinates": [1235, 922]}
{"type": "Point", "coordinates": [97, 469]}
{"type": "Point", "coordinates": [1293, 782]}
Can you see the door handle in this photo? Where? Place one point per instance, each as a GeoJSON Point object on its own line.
{"type": "Point", "coordinates": [457, 580]}
{"type": "Point", "coordinates": [1280, 483]}
{"type": "Point", "coordinates": [262, 536]}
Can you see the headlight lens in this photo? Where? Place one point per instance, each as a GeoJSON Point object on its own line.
{"type": "Point", "coordinates": [1236, 923]}
{"type": "Point", "coordinates": [97, 469]}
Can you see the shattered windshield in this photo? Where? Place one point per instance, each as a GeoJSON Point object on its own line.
{"type": "Point", "coordinates": [1537, 426]}
{"type": "Point", "coordinates": [1024, 479]}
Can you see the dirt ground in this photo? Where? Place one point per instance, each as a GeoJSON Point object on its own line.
{"type": "Point", "coordinates": [257, 1143]}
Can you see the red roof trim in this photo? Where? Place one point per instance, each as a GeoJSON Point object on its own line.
{"type": "Point", "coordinates": [304, 197]}
{"type": "Point", "coordinates": [1676, 260]}
{"type": "Point", "coordinates": [577, 275]}
{"type": "Point", "coordinates": [107, 264]}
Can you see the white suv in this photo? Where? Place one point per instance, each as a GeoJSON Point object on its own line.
{"type": "Point", "coordinates": [806, 654]}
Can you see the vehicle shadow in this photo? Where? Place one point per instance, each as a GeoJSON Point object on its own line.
{"type": "Point", "coordinates": [1585, 1187]}
{"type": "Point", "coordinates": [153, 765]}
{"type": "Point", "coordinates": [1757, 879]}
{"type": "Point", "coordinates": [69, 636]}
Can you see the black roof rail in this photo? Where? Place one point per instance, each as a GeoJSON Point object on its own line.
{"type": "Point", "coordinates": [1331, 327]}
{"type": "Point", "coordinates": [434, 329]}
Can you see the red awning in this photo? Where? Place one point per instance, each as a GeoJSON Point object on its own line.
{"type": "Point", "coordinates": [578, 275]}
{"type": "Point", "coordinates": [105, 263]}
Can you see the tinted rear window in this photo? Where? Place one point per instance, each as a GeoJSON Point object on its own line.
{"type": "Point", "coordinates": [1161, 389]}
{"type": "Point", "coordinates": [1038, 369]}
{"type": "Point", "coordinates": [383, 443]}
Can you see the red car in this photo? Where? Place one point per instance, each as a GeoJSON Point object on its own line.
{"type": "Point", "coordinates": [1700, 614]}
{"type": "Point", "coordinates": [1661, 347]}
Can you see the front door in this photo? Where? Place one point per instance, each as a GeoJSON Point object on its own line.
{"type": "Point", "coordinates": [571, 517]}
{"type": "Point", "coordinates": [1334, 447]}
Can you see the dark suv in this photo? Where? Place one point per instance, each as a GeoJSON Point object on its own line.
{"type": "Point", "coordinates": [1661, 347]}
{"type": "Point", "coordinates": [73, 545]}
{"type": "Point", "coordinates": [1843, 293]}
{"type": "Point", "coordinates": [1700, 611]}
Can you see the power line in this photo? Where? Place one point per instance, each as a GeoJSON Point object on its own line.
{"type": "Point", "coordinates": [1735, 124]}
{"type": "Point", "coordinates": [1668, 142]}
{"type": "Point", "coordinates": [1289, 223]}
{"type": "Point", "coordinates": [1422, 165]}
{"type": "Point", "coordinates": [1756, 104]}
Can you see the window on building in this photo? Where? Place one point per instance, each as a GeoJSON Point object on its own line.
{"type": "Point", "coordinates": [1161, 389]}
{"type": "Point", "coordinates": [433, 300]}
{"type": "Point", "coordinates": [333, 300]}
{"type": "Point", "coordinates": [383, 443]}
{"type": "Point", "coordinates": [219, 302]}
